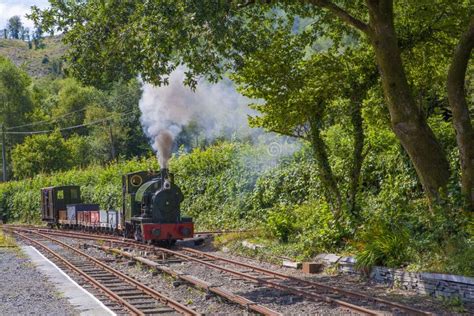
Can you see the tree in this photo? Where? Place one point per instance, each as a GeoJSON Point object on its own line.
{"type": "Point", "coordinates": [15, 27]}
{"type": "Point", "coordinates": [123, 98]}
{"type": "Point", "coordinates": [15, 100]}
{"type": "Point", "coordinates": [211, 38]}
{"type": "Point", "coordinates": [40, 153]}
{"type": "Point", "coordinates": [38, 38]}
{"type": "Point", "coordinates": [72, 101]}
{"type": "Point", "coordinates": [305, 93]}
{"type": "Point", "coordinates": [107, 132]}
{"type": "Point", "coordinates": [459, 106]}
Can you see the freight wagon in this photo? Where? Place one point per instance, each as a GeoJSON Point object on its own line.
{"type": "Point", "coordinates": [61, 206]}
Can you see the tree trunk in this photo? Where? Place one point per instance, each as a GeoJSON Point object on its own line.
{"type": "Point", "coordinates": [326, 174]}
{"type": "Point", "coordinates": [357, 156]}
{"type": "Point", "coordinates": [461, 117]}
{"type": "Point", "coordinates": [407, 120]}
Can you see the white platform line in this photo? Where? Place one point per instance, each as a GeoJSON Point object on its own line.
{"type": "Point", "coordinates": [105, 308]}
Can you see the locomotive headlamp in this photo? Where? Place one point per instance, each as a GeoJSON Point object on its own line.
{"type": "Point", "coordinates": [167, 185]}
{"type": "Point", "coordinates": [156, 232]}
{"type": "Point", "coordinates": [136, 180]}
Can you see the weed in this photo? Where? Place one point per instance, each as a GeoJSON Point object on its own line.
{"type": "Point", "coordinates": [453, 303]}
{"type": "Point", "coordinates": [7, 241]}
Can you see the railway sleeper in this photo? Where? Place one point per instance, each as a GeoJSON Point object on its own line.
{"type": "Point", "coordinates": [125, 293]}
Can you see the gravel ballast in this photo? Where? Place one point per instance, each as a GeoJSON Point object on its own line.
{"type": "Point", "coordinates": [24, 290]}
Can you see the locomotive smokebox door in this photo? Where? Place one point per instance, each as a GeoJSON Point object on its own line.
{"type": "Point", "coordinates": [166, 205]}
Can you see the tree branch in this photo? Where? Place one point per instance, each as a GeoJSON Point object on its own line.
{"type": "Point", "coordinates": [342, 14]}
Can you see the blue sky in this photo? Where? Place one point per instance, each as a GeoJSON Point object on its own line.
{"type": "Point", "coordinates": [9, 8]}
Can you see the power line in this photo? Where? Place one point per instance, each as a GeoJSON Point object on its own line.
{"type": "Point", "coordinates": [70, 127]}
{"type": "Point", "coordinates": [58, 117]}
{"type": "Point", "coordinates": [46, 121]}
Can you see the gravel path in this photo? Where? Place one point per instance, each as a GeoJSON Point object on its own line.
{"type": "Point", "coordinates": [25, 291]}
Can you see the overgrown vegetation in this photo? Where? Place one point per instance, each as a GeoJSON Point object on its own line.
{"type": "Point", "coordinates": [238, 185]}
{"type": "Point", "coordinates": [376, 91]}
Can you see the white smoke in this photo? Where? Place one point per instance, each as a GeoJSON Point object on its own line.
{"type": "Point", "coordinates": [216, 107]}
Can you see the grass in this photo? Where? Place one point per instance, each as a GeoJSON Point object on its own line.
{"type": "Point", "coordinates": [7, 241]}
{"type": "Point", "coordinates": [32, 59]}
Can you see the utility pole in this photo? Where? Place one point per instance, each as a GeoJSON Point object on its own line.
{"type": "Point", "coordinates": [112, 146]}
{"type": "Point", "coordinates": [4, 159]}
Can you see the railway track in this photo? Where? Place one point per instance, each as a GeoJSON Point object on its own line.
{"type": "Point", "coordinates": [246, 303]}
{"type": "Point", "coordinates": [105, 234]}
{"type": "Point", "coordinates": [133, 296]}
{"type": "Point", "coordinates": [310, 290]}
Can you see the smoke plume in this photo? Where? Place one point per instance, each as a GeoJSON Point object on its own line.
{"type": "Point", "coordinates": [164, 145]}
{"type": "Point", "coordinates": [217, 108]}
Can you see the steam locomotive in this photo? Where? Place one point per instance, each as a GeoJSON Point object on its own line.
{"type": "Point", "coordinates": [151, 207]}
{"type": "Point", "coordinates": [150, 210]}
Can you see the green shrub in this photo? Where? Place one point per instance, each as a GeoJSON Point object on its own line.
{"type": "Point", "coordinates": [383, 244]}
{"type": "Point", "coordinates": [281, 222]}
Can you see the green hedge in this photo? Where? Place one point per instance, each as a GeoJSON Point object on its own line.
{"type": "Point", "coordinates": [219, 185]}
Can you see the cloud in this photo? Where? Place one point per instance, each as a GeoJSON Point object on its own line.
{"type": "Point", "coordinates": [21, 8]}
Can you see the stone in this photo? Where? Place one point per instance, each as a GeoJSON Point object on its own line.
{"type": "Point", "coordinates": [347, 260]}
{"type": "Point", "coordinates": [291, 264]}
{"type": "Point", "coordinates": [250, 245]}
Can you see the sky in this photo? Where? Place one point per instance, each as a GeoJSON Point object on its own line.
{"type": "Point", "coordinates": [9, 8]}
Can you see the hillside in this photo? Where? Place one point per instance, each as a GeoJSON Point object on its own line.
{"type": "Point", "coordinates": [37, 62]}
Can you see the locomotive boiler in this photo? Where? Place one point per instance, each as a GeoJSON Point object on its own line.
{"type": "Point", "coordinates": [151, 208]}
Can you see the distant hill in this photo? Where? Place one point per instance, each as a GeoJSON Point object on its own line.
{"type": "Point", "coordinates": [37, 62]}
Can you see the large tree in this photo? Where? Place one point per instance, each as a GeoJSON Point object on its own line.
{"type": "Point", "coordinates": [15, 27]}
{"type": "Point", "coordinates": [111, 39]}
{"type": "Point", "coordinates": [459, 106]}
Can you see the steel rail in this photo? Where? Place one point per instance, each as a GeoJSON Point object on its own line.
{"type": "Point", "coordinates": [194, 281]}
{"type": "Point", "coordinates": [309, 283]}
{"type": "Point", "coordinates": [217, 232]}
{"type": "Point", "coordinates": [166, 300]}
{"type": "Point", "coordinates": [114, 297]}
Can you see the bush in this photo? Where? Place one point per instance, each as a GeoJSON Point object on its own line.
{"type": "Point", "coordinates": [383, 244]}
{"type": "Point", "coordinates": [281, 222]}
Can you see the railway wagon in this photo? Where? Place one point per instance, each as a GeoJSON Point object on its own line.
{"type": "Point", "coordinates": [54, 201]}
{"type": "Point", "coordinates": [61, 206]}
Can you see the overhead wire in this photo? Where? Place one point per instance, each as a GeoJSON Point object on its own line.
{"type": "Point", "coordinates": [55, 118]}
{"type": "Point", "coordinates": [70, 127]}
{"type": "Point", "coordinates": [46, 121]}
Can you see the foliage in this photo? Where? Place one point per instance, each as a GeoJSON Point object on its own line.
{"type": "Point", "coordinates": [216, 37]}
{"type": "Point", "coordinates": [241, 186]}
{"type": "Point", "coordinates": [15, 99]}
{"type": "Point", "coordinates": [312, 75]}
{"type": "Point", "coordinates": [15, 27]}
{"type": "Point", "coordinates": [39, 153]}
{"type": "Point", "coordinates": [384, 244]}
{"type": "Point", "coordinates": [281, 222]}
